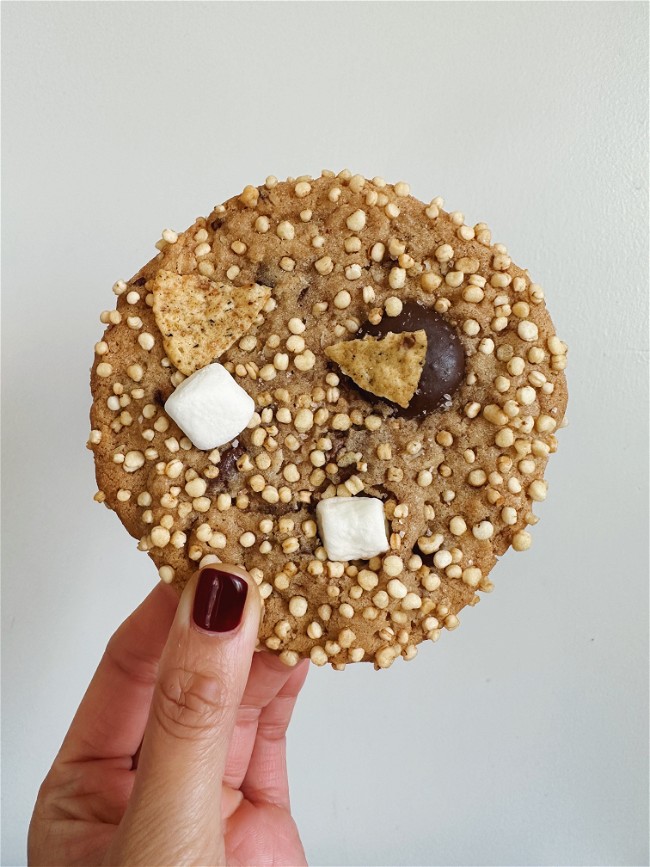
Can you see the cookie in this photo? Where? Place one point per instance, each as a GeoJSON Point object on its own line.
{"type": "Point", "coordinates": [397, 360]}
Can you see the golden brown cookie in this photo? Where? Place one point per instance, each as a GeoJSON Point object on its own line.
{"type": "Point", "coordinates": [291, 271]}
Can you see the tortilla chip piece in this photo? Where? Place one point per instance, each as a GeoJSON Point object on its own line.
{"type": "Point", "coordinates": [388, 367]}
{"type": "Point", "coordinates": [200, 319]}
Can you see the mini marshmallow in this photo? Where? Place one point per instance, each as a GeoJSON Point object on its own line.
{"type": "Point", "coordinates": [352, 528]}
{"type": "Point", "coordinates": [210, 407]}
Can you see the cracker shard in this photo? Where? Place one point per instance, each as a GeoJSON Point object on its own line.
{"type": "Point", "coordinates": [388, 367]}
{"type": "Point", "coordinates": [199, 319]}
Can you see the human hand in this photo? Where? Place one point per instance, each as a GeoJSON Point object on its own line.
{"type": "Point", "coordinates": [177, 752]}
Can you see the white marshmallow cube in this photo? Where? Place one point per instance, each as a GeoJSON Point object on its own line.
{"type": "Point", "coordinates": [352, 528]}
{"type": "Point", "coordinates": [210, 407]}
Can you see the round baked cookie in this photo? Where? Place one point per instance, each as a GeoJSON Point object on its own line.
{"type": "Point", "coordinates": [444, 408]}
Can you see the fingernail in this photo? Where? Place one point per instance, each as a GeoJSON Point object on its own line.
{"type": "Point", "coordinates": [219, 600]}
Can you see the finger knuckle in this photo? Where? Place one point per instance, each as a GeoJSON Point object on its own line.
{"type": "Point", "coordinates": [190, 704]}
{"type": "Point", "coordinates": [131, 661]}
{"type": "Point", "coordinates": [275, 732]}
{"type": "Point", "coordinates": [59, 792]}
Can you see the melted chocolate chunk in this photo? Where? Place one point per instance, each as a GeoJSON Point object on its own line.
{"type": "Point", "coordinates": [444, 364]}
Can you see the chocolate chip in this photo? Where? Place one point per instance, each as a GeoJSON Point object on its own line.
{"type": "Point", "coordinates": [228, 471]}
{"type": "Point", "coordinates": [139, 282]}
{"type": "Point", "coordinates": [380, 491]}
{"type": "Point", "coordinates": [307, 546]}
{"type": "Point", "coordinates": [216, 224]}
{"type": "Point", "coordinates": [160, 396]}
{"type": "Point", "coordinates": [444, 365]}
{"type": "Point", "coordinates": [265, 508]}
{"type": "Point", "coordinates": [264, 276]}
{"type": "Point", "coordinates": [344, 473]}
{"type": "Point", "coordinates": [214, 487]}
{"type": "Point", "coordinates": [278, 509]}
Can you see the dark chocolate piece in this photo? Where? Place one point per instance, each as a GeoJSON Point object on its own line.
{"type": "Point", "coordinates": [444, 365]}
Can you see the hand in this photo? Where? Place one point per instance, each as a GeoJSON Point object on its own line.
{"type": "Point", "coordinates": [177, 752]}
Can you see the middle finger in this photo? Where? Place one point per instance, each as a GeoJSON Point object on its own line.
{"type": "Point", "coordinates": [267, 677]}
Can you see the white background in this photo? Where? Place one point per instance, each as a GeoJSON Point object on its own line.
{"type": "Point", "coordinates": [522, 737]}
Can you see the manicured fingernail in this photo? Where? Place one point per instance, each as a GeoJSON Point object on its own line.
{"type": "Point", "coordinates": [219, 600]}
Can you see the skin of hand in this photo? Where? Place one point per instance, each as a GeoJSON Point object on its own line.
{"type": "Point", "coordinates": [177, 753]}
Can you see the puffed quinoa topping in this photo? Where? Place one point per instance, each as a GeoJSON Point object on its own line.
{"type": "Point", "coordinates": [527, 330]}
{"type": "Point", "coordinates": [342, 299]}
{"type": "Point", "coordinates": [356, 221]}
{"type": "Point", "coordinates": [302, 189]}
{"type": "Point", "coordinates": [393, 306]}
{"type": "Point", "coordinates": [324, 265]}
{"type": "Point", "coordinates": [521, 541]}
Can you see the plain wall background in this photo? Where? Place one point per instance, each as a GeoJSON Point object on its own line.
{"type": "Point", "coordinates": [522, 737]}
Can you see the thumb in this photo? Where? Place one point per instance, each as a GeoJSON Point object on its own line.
{"type": "Point", "coordinates": [174, 813]}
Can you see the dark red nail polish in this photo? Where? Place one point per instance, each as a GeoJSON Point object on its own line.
{"type": "Point", "coordinates": [219, 600]}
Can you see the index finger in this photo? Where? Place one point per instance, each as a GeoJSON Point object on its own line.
{"type": "Point", "coordinates": [111, 718]}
